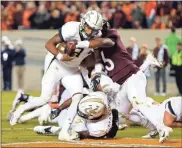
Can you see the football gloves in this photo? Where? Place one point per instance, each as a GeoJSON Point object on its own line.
{"type": "Point", "coordinates": [54, 113]}
{"type": "Point", "coordinates": [95, 81]}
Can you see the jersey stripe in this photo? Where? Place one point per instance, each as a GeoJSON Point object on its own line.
{"type": "Point", "coordinates": [170, 108]}
{"type": "Point", "coordinates": [51, 63]}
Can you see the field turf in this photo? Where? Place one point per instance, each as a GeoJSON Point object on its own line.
{"type": "Point", "coordinates": [24, 132]}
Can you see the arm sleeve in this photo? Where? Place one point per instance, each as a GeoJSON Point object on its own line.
{"type": "Point", "coordinates": [67, 31]}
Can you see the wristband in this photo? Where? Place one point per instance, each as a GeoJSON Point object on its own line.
{"type": "Point", "coordinates": [83, 44]}
{"type": "Point", "coordinates": [59, 56]}
{"type": "Point", "coordinates": [98, 68]}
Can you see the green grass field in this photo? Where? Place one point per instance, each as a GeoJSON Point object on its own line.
{"type": "Point", "coordinates": [24, 133]}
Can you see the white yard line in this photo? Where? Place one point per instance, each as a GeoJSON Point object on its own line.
{"type": "Point", "coordinates": [9, 129]}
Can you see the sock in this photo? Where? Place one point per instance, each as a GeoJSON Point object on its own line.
{"type": "Point", "coordinates": [55, 130]}
{"type": "Point", "coordinates": [54, 98]}
{"type": "Point", "coordinates": [122, 120]}
{"type": "Point", "coordinates": [138, 118]}
{"type": "Point", "coordinates": [146, 111]}
{"type": "Point", "coordinates": [31, 115]}
{"type": "Point", "coordinates": [72, 111]}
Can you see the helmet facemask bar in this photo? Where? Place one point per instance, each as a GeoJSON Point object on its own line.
{"type": "Point", "coordinates": [85, 35]}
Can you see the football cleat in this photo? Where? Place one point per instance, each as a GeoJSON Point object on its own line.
{"type": "Point", "coordinates": [123, 126]}
{"type": "Point", "coordinates": [42, 129]}
{"type": "Point", "coordinates": [153, 61]}
{"type": "Point", "coordinates": [13, 119]}
{"type": "Point", "coordinates": [64, 136]}
{"type": "Point", "coordinates": [150, 135]}
{"type": "Point", "coordinates": [16, 101]}
{"type": "Point", "coordinates": [9, 115]}
{"type": "Point", "coordinates": [164, 134]}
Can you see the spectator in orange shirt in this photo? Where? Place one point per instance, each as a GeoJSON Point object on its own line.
{"type": "Point", "coordinates": [3, 19]}
{"type": "Point", "coordinates": [127, 8]}
{"type": "Point", "coordinates": [18, 16]}
{"type": "Point", "coordinates": [3, 24]}
{"type": "Point", "coordinates": [158, 24]}
{"type": "Point", "coordinates": [72, 15]}
{"type": "Point", "coordinates": [150, 11]}
{"type": "Point", "coordinates": [30, 9]}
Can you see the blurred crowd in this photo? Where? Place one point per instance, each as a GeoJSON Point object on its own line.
{"type": "Point", "coordinates": [52, 15]}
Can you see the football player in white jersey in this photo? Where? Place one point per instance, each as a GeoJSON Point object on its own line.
{"type": "Point", "coordinates": [168, 112]}
{"type": "Point", "coordinates": [95, 120]}
{"type": "Point", "coordinates": [173, 112]}
{"type": "Point", "coordinates": [66, 68]}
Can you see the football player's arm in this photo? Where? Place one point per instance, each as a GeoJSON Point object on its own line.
{"type": "Point", "coordinates": [51, 44]}
{"type": "Point", "coordinates": [96, 43]}
{"type": "Point", "coordinates": [170, 120]}
{"type": "Point", "coordinates": [66, 104]}
{"type": "Point", "coordinates": [56, 111]}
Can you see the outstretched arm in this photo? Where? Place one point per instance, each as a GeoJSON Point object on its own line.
{"type": "Point", "coordinates": [96, 43]}
{"type": "Point", "coordinates": [101, 42]}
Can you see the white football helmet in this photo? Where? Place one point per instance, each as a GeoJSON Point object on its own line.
{"type": "Point", "coordinates": [92, 106]}
{"type": "Point", "coordinates": [94, 20]}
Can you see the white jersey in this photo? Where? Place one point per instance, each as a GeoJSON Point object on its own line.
{"type": "Point", "coordinates": [173, 105]}
{"type": "Point", "coordinates": [70, 32]}
{"type": "Point", "coordinates": [48, 58]}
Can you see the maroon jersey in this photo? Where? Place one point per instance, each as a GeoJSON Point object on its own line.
{"type": "Point", "coordinates": [140, 60]}
{"type": "Point", "coordinates": [124, 67]}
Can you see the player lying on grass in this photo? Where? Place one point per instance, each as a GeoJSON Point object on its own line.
{"type": "Point", "coordinates": [94, 120]}
{"type": "Point", "coordinates": [168, 112]}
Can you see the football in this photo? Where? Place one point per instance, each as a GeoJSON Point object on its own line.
{"type": "Point", "coordinates": [61, 47]}
{"type": "Point", "coordinates": [67, 47]}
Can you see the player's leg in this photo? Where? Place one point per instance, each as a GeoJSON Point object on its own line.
{"type": "Point", "coordinates": [150, 60]}
{"type": "Point", "coordinates": [60, 119]}
{"type": "Point", "coordinates": [54, 130]}
{"type": "Point", "coordinates": [156, 120]}
{"type": "Point", "coordinates": [136, 117]}
{"type": "Point", "coordinates": [136, 90]}
{"type": "Point", "coordinates": [74, 84]}
{"type": "Point", "coordinates": [34, 114]}
{"type": "Point", "coordinates": [49, 81]}
{"type": "Point", "coordinates": [123, 105]}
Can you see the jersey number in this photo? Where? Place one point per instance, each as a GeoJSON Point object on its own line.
{"type": "Point", "coordinates": [78, 52]}
{"type": "Point", "coordinates": [109, 61]}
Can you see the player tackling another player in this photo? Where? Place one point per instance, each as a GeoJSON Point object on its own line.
{"type": "Point", "coordinates": [78, 40]}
